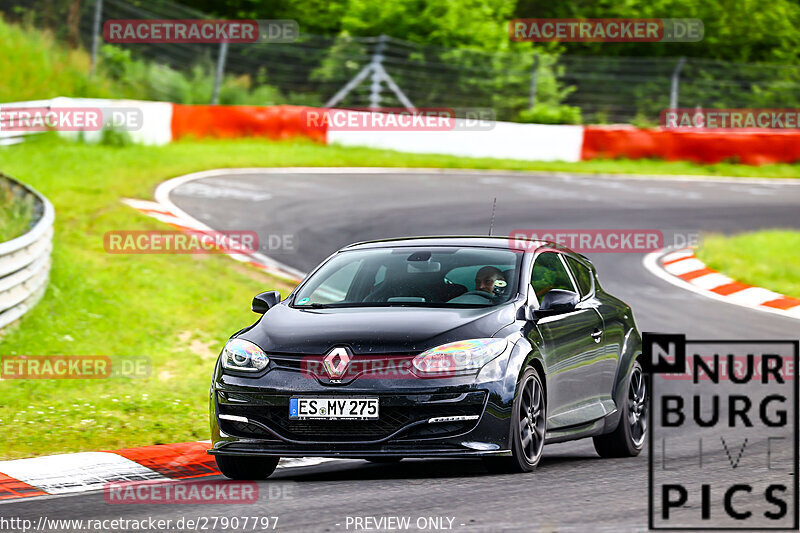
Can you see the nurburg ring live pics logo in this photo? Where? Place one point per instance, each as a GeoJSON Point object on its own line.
{"type": "Point", "coordinates": [723, 449]}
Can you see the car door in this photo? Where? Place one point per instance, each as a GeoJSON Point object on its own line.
{"type": "Point", "coordinates": [571, 346]}
{"type": "Point", "coordinates": [605, 364]}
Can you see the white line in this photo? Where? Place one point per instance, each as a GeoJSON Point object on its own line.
{"type": "Point", "coordinates": [164, 189]}
{"type": "Point", "coordinates": [651, 263]}
{"type": "Point", "coordinates": [711, 281]}
{"type": "Point", "coordinates": [690, 264]}
{"type": "Point", "coordinates": [162, 197]}
{"type": "Point", "coordinates": [144, 205]}
{"type": "Point", "coordinates": [76, 472]}
{"type": "Point", "coordinates": [680, 254]}
{"type": "Point", "coordinates": [494, 173]}
{"type": "Point", "coordinates": [286, 463]}
{"type": "Point", "coordinates": [754, 296]}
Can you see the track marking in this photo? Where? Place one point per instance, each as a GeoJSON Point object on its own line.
{"type": "Point", "coordinates": [681, 268]}
{"type": "Point", "coordinates": [76, 472]}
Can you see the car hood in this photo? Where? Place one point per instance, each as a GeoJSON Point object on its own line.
{"type": "Point", "coordinates": [373, 330]}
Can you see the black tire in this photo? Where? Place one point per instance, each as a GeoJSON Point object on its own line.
{"type": "Point", "coordinates": [529, 425]}
{"type": "Point", "coordinates": [629, 437]}
{"type": "Point", "coordinates": [384, 460]}
{"type": "Point", "coordinates": [246, 468]}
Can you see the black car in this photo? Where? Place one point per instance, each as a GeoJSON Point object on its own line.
{"type": "Point", "coordinates": [431, 347]}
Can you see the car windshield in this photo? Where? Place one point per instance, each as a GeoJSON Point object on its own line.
{"type": "Point", "coordinates": [421, 277]}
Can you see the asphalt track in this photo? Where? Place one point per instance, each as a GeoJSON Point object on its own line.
{"type": "Point", "coordinates": [572, 489]}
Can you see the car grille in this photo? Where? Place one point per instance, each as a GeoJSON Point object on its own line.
{"type": "Point", "coordinates": [392, 418]}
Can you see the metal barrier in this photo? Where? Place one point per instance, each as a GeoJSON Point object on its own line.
{"type": "Point", "coordinates": [25, 260]}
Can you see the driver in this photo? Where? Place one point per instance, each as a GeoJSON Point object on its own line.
{"type": "Point", "coordinates": [491, 280]}
{"type": "Point", "coordinates": [490, 284]}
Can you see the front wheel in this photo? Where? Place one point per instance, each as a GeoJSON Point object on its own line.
{"type": "Point", "coordinates": [628, 439]}
{"type": "Point", "coordinates": [246, 468]}
{"type": "Point", "coordinates": [528, 427]}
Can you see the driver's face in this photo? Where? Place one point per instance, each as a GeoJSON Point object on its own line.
{"type": "Point", "coordinates": [486, 284]}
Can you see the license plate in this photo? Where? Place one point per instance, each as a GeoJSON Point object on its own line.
{"type": "Point", "coordinates": [333, 408]}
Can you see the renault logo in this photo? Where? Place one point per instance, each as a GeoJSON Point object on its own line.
{"type": "Point", "coordinates": [336, 362]}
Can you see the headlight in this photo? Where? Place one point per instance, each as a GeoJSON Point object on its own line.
{"type": "Point", "coordinates": [462, 357]}
{"type": "Point", "coordinates": [243, 356]}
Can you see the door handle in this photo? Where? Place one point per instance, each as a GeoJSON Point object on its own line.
{"type": "Point", "coordinates": [596, 335]}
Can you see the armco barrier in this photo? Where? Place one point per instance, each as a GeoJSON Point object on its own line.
{"type": "Point", "coordinates": [25, 261]}
{"type": "Point", "coordinates": [749, 147]}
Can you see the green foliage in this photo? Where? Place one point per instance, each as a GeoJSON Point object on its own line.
{"type": "Point", "coordinates": [549, 114]}
{"type": "Point", "coordinates": [16, 212]}
{"type": "Point", "coordinates": [147, 80]}
{"type": "Point", "coordinates": [115, 137]}
{"type": "Point", "coordinates": [480, 24]}
{"type": "Point", "coordinates": [35, 66]}
{"type": "Point", "coordinates": [735, 30]}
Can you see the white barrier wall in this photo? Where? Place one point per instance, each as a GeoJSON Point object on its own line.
{"type": "Point", "coordinates": [156, 119]}
{"type": "Point", "coordinates": [506, 140]}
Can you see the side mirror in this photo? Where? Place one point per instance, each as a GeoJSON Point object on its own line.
{"type": "Point", "coordinates": [265, 300]}
{"type": "Point", "coordinates": [556, 302]}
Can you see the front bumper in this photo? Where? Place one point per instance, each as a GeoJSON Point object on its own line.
{"type": "Point", "coordinates": [260, 424]}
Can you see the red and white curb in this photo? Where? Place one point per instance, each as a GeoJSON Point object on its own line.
{"type": "Point", "coordinates": [90, 471]}
{"type": "Point", "coordinates": [682, 268]}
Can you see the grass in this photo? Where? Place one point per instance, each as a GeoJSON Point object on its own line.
{"type": "Point", "coordinates": [15, 213]}
{"type": "Point", "coordinates": [176, 310]}
{"type": "Point", "coordinates": [768, 259]}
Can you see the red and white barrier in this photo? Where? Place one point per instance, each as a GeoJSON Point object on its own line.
{"type": "Point", "coordinates": [163, 122]}
{"type": "Point", "coordinates": [751, 147]}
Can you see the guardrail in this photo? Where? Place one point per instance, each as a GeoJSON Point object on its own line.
{"type": "Point", "coordinates": [25, 260]}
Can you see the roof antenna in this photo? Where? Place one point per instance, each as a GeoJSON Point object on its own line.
{"type": "Point", "coordinates": [491, 222]}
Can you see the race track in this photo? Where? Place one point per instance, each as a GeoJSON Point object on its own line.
{"type": "Point", "coordinates": [572, 489]}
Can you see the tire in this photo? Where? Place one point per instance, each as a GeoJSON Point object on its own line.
{"type": "Point", "coordinates": [384, 460]}
{"type": "Point", "coordinates": [528, 428]}
{"type": "Point", "coordinates": [246, 468]}
{"type": "Point", "coordinates": [629, 437]}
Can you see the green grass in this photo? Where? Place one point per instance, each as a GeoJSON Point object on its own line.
{"type": "Point", "coordinates": [768, 259]}
{"type": "Point", "coordinates": [15, 213]}
{"type": "Point", "coordinates": [176, 310]}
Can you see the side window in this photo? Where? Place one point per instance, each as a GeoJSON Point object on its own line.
{"type": "Point", "coordinates": [583, 276]}
{"type": "Point", "coordinates": [549, 273]}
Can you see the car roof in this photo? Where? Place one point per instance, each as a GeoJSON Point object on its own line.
{"type": "Point", "coordinates": [478, 241]}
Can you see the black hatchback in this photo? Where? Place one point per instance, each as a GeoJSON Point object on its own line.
{"type": "Point", "coordinates": [432, 347]}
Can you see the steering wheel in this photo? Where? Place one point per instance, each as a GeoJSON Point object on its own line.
{"type": "Point", "coordinates": [480, 293]}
